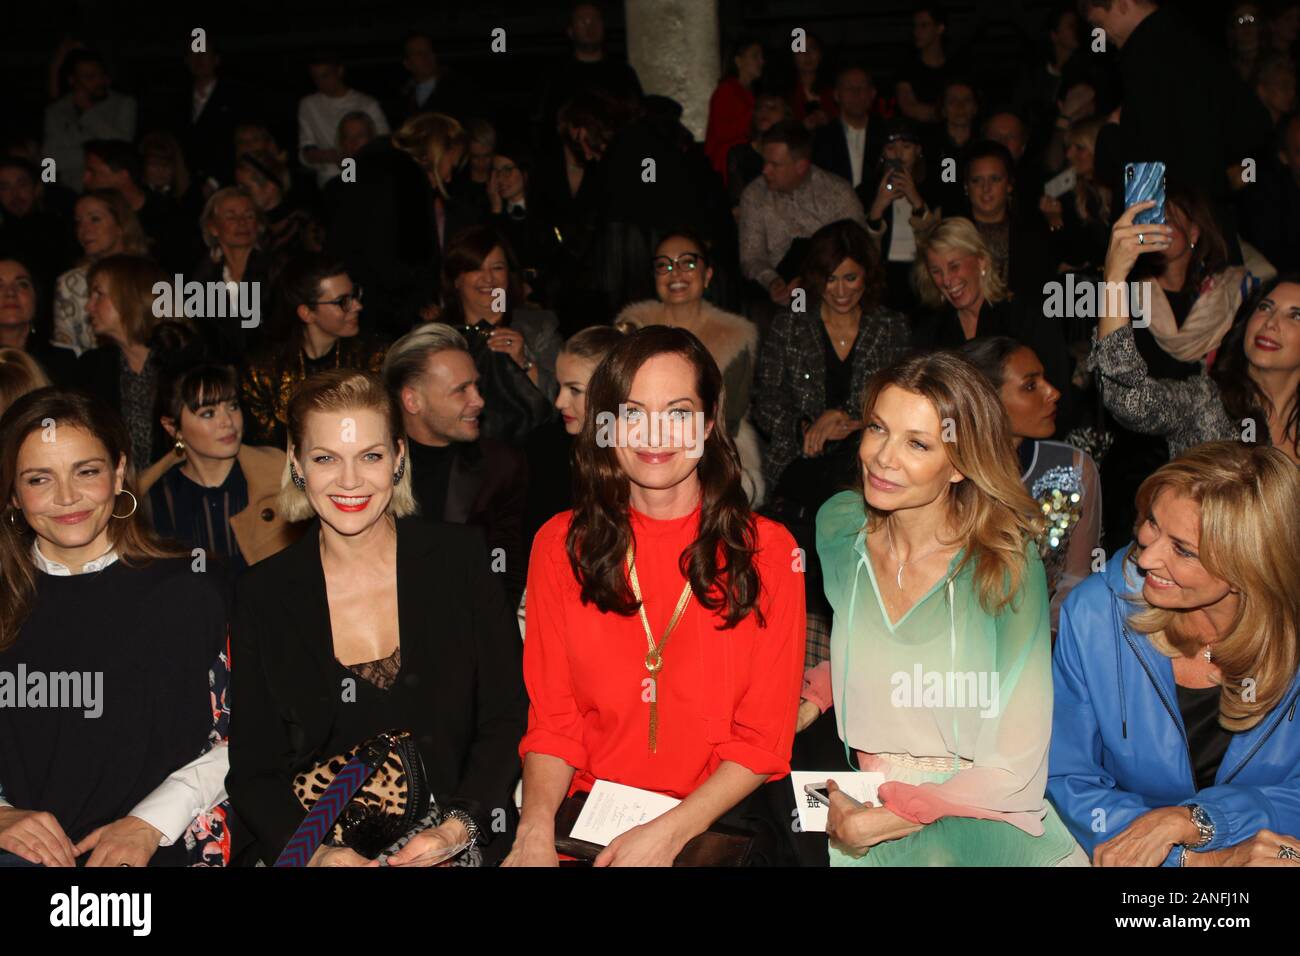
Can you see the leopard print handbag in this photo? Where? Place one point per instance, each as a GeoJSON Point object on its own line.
{"type": "Point", "coordinates": [394, 801]}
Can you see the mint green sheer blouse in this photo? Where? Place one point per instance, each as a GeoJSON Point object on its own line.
{"type": "Point", "coordinates": [948, 680]}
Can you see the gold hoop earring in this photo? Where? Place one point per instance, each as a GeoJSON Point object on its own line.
{"type": "Point", "coordinates": [134, 505]}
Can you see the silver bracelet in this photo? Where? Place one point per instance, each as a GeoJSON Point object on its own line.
{"type": "Point", "coordinates": [471, 828]}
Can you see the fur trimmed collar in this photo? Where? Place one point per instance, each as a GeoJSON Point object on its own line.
{"type": "Point", "coordinates": [725, 334]}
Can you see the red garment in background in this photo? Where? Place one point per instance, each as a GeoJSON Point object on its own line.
{"type": "Point", "coordinates": [731, 116]}
{"type": "Point", "coordinates": [799, 103]}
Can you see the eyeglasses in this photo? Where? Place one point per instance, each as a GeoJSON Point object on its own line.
{"type": "Point", "coordinates": [344, 302]}
{"type": "Point", "coordinates": [690, 261]}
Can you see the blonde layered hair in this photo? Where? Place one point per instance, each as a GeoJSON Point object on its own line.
{"type": "Point", "coordinates": [994, 515]}
{"type": "Point", "coordinates": [343, 390]}
{"type": "Point", "coordinates": [426, 138]}
{"type": "Point", "coordinates": [1248, 498]}
{"type": "Point", "coordinates": [958, 235]}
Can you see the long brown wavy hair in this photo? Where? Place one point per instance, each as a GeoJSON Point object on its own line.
{"type": "Point", "coordinates": [132, 538]}
{"type": "Point", "coordinates": [995, 517]}
{"type": "Point", "coordinates": [720, 562]}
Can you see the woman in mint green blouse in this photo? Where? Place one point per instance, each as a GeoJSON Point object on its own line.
{"type": "Point", "coordinates": [940, 667]}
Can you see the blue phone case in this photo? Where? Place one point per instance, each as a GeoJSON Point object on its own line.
{"type": "Point", "coordinates": [1143, 181]}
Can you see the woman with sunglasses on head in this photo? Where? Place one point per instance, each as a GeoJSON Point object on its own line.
{"type": "Point", "coordinates": [317, 327]}
{"type": "Point", "coordinates": [682, 276]}
{"type": "Point", "coordinates": [133, 773]}
{"type": "Point", "coordinates": [662, 529]}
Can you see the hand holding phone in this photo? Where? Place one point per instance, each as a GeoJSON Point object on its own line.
{"type": "Point", "coordinates": [1145, 182]}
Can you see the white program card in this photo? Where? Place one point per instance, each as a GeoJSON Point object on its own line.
{"type": "Point", "coordinates": [860, 786]}
{"type": "Point", "coordinates": [613, 809]}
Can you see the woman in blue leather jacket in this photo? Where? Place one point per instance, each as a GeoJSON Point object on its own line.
{"type": "Point", "coordinates": [1174, 732]}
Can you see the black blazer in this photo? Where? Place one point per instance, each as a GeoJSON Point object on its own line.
{"type": "Point", "coordinates": [1020, 319]}
{"type": "Point", "coordinates": [460, 642]}
{"type": "Point", "coordinates": [488, 488]}
{"type": "Point", "coordinates": [831, 153]}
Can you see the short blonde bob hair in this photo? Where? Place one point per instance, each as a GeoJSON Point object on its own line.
{"type": "Point", "coordinates": [214, 202]}
{"type": "Point", "coordinates": [958, 235]}
{"type": "Point", "coordinates": [339, 390]}
{"type": "Point", "coordinates": [1248, 497]}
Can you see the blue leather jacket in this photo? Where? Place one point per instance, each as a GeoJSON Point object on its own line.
{"type": "Point", "coordinates": [1119, 747]}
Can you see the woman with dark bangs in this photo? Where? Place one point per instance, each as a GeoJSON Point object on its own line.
{"type": "Point", "coordinates": [662, 545]}
{"type": "Point", "coordinates": [222, 498]}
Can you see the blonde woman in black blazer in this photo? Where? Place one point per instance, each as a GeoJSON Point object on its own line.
{"type": "Point", "coordinates": [374, 620]}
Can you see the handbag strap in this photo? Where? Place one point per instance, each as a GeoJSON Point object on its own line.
{"type": "Point", "coordinates": [320, 819]}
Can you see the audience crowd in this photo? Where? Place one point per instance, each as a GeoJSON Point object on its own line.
{"type": "Point", "coordinates": [933, 455]}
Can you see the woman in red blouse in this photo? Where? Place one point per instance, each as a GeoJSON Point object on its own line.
{"type": "Point", "coordinates": [731, 108]}
{"type": "Point", "coordinates": [661, 514]}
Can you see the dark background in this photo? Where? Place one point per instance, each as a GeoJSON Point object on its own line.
{"type": "Point", "coordinates": [266, 43]}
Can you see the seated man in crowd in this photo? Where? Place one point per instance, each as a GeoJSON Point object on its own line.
{"type": "Point", "coordinates": [458, 476]}
{"type": "Point", "coordinates": [791, 201]}
{"type": "Point", "coordinates": [89, 110]}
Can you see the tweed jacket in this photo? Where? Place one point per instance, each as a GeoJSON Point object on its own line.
{"type": "Point", "coordinates": [791, 390]}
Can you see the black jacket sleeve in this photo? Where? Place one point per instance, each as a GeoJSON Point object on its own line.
{"type": "Point", "coordinates": [259, 750]}
{"type": "Point", "coordinates": [492, 765]}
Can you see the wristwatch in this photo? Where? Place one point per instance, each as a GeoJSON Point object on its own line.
{"type": "Point", "coordinates": [1204, 824]}
{"type": "Point", "coordinates": [471, 828]}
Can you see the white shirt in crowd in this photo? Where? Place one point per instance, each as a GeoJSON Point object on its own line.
{"type": "Point", "coordinates": [857, 143]}
{"type": "Point", "coordinates": [318, 125]}
{"type": "Point", "coordinates": [902, 241]}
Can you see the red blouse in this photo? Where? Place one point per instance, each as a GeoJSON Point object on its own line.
{"type": "Point", "coordinates": [731, 115]}
{"type": "Point", "coordinates": [722, 694]}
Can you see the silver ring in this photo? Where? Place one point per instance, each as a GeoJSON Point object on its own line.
{"type": "Point", "coordinates": [1285, 852]}
{"type": "Point", "coordinates": [1142, 239]}
{"type": "Point", "coordinates": [124, 864]}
